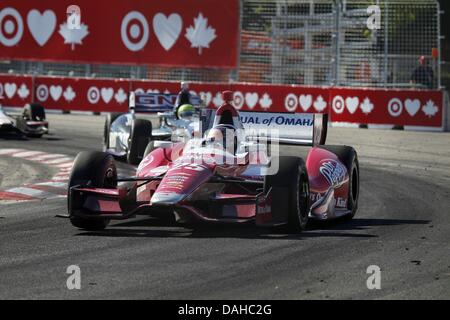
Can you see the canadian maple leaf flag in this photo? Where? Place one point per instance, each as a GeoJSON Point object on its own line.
{"type": "Point", "coordinates": [200, 34]}
{"type": "Point", "coordinates": [73, 36]}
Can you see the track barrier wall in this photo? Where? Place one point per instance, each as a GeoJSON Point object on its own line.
{"type": "Point", "coordinates": [422, 108]}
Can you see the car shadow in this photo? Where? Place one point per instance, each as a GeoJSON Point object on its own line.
{"type": "Point", "coordinates": [362, 224]}
{"type": "Point", "coordinates": [18, 137]}
{"type": "Point", "coordinates": [11, 136]}
{"type": "Point", "coordinates": [155, 228]}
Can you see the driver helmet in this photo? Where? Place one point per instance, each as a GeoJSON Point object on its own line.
{"type": "Point", "coordinates": [186, 112]}
{"type": "Point", "coordinates": [224, 135]}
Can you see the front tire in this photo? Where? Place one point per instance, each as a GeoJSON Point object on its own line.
{"type": "Point", "coordinates": [141, 133]}
{"type": "Point", "coordinates": [96, 170]}
{"type": "Point", "coordinates": [292, 177]}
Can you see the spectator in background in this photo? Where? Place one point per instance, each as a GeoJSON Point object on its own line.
{"type": "Point", "coordinates": [423, 74]}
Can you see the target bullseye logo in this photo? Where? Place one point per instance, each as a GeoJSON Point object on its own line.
{"type": "Point", "coordinates": [238, 100]}
{"type": "Point", "coordinates": [42, 93]}
{"type": "Point", "coordinates": [395, 107]}
{"type": "Point", "coordinates": [291, 102]}
{"type": "Point", "coordinates": [134, 31]}
{"type": "Point", "coordinates": [338, 104]}
{"type": "Point", "coordinates": [93, 95]}
{"type": "Point", "coordinates": [11, 27]}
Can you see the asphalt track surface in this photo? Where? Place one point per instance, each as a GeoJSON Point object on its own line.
{"type": "Point", "coordinates": [402, 226]}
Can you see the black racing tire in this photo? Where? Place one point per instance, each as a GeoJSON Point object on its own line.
{"type": "Point", "coordinates": [110, 118]}
{"type": "Point", "coordinates": [97, 170]}
{"type": "Point", "coordinates": [349, 158]}
{"type": "Point", "coordinates": [292, 176]}
{"type": "Point", "coordinates": [34, 112]}
{"type": "Point", "coordinates": [141, 134]}
{"type": "Point", "coordinates": [150, 147]}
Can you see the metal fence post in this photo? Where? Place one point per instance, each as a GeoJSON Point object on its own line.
{"type": "Point", "coordinates": [386, 42]}
{"type": "Point", "coordinates": [88, 70]}
{"type": "Point", "coordinates": [337, 39]}
{"type": "Point", "coordinates": [447, 111]}
{"type": "Point", "coordinates": [440, 37]}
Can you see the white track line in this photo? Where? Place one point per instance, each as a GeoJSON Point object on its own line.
{"type": "Point", "coordinates": [49, 156]}
{"type": "Point", "coordinates": [27, 154]}
{"type": "Point", "coordinates": [35, 193]}
{"type": "Point", "coordinates": [55, 184]}
{"type": "Point", "coordinates": [58, 184]}
{"type": "Point", "coordinates": [58, 161]}
{"type": "Point", "coordinates": [9, 151]}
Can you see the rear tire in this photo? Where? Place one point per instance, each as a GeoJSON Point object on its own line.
{"type": "Point", "coordinates": [97, 170]}
{"type": "Point", "coordinates": [110, 118]}
{"type": "Point", "coordinates": [349, 158]}
{"type": "Point", "coordinates": [293, 177]}
{"type": "Point", "coordinates": [141, 133]}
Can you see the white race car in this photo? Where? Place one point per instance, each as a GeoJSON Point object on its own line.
{"type": "Point", "coordinates": [30, 123]}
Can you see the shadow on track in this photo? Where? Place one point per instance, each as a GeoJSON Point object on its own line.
{"type": "Point", "coordinates": [155, 228]}
{"type": "Point", "coordinates": [11, 136]}
{"type": "Point", "coordinates": [362, 224]}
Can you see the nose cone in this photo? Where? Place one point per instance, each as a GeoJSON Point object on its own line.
{"type": "Point", "coordinates": [179, 182]}
{"type": "Point", "coordinates": [167, 198]}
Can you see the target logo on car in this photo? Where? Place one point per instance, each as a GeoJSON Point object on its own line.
{"type": "Point", "coordinates": [11, 27]}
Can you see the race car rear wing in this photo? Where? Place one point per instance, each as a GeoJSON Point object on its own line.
{"type": "Point", "coordinates": [292, 128]}
{"type": "Point", "coordinates": [155, 102]}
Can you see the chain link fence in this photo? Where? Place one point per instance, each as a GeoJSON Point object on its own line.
{"type": "Point", "coordinates": [308, 42]}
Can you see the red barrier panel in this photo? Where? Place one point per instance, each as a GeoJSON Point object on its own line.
{"type": "Point", "coordinates": [170, 33]}
{"type": "Point", "coordinates": [361, 106]}
{"type": "Point", "coordinates": [82, 94]}
{"type": "Point", "coordinates": [396, 107]}
{"type": "Point", "coordinates": [16, 90]}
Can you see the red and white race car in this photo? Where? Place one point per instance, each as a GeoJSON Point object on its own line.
{"type": "Point", "coordinates": [221, 176]}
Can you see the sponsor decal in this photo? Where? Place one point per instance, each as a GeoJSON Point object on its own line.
{"type": "Point", "coordinates": [279, 120]}
{"type": "Point", "coordinates": [338, 202]}
{"type": "Point", "coordinates": [334, 172]}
